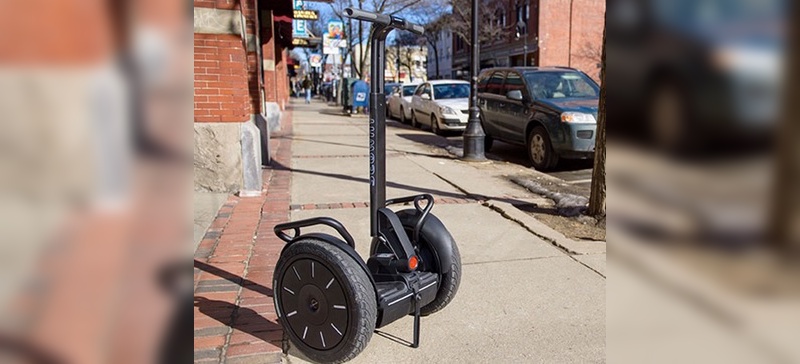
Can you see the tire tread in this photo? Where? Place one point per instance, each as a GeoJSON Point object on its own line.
{"type": "Point", "coordinates": [364, 296]}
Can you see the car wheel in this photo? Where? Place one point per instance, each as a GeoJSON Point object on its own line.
{"type": "Point", "coordinates": [403, 116]}
{"type": "Point", "coordinates": [488, 141]}
{"type": "Point", "coordinates": [435, 125]}
{"type": "Point", "coordinates": [414, 121]}
{"type": "Point", "coordinates": [540, 150]}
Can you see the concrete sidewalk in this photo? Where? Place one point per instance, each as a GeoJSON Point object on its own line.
{"type": "Point", "coordinates": [528, 294]}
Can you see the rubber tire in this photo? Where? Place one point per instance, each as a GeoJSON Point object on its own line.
{"type": "Point", "coordinates": [414, 122]}
{"type": "Point", "coordinates": [488, 142]}
{"type": "Point", "coordinates": [362, 303]}
{"type": "Point", "coordinates": [550, 159]}
{"type": "Point", "coordinates": [435, 125]}
{"type": "Point", "coordinates": [449, 281]}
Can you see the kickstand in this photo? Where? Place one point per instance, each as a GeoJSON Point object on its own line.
{"type": "Point", "coordinates": [416, 315]}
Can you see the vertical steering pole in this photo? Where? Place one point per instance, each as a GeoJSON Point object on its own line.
{"type": "Point", "coordinates": [381, 26]}
{"type": "Point", "coordinates": [377, 126]}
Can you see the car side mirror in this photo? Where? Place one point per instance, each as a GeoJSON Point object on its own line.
{"type": "Point", "coordinates": [425, 96]}
{"type": "Point", "coordinates": [515, 95]}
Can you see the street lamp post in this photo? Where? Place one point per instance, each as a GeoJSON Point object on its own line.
{"type": "Point", "coordinates": [525, 51]}
{"type": "Point", "coordinates": [522, 29]}
{"type": "Point", "coordinates": [474, 135]}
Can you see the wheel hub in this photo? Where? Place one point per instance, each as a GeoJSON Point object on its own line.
{"type": "Point", "coordinates": [313, 304]}
{"type": "Point", "coordinates": [537, 148]}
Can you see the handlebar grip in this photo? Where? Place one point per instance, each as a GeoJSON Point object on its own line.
{"type": "Point", "coordinates": [416, 28]}
{"type": "Point", "coordinates": [368, 16]}
{"type": "Point", "coordinates": [384, 19]}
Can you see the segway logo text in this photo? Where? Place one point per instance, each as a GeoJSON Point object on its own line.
{"type": "Point", "coordinates": [372, 152]}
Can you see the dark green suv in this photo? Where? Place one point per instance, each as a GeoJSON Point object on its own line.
{"type": "Point", "coordinates": [550, 110]}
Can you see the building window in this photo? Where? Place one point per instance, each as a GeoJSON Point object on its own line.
{"type": "Point", "coordinates": [523, 13]}
{"type": "Point", "coordinates": [501, 17]}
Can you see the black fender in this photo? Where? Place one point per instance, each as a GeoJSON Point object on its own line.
{"type": "Point", "coordinates": [391, 229]}
{"type": "Point", "coordinates": [434, 232]}
{"type": "Point", "coordinates": [339, 243]}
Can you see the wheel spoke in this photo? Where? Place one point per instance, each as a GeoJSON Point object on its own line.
{"type": "Point", "coordinates": [314, 301]}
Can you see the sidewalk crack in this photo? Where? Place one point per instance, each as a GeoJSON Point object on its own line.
{"type": "Point", "coordinates": [570, 253]}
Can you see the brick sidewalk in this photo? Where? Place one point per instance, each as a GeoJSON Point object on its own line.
{"type": "Point", "coordinates": [234, 315]}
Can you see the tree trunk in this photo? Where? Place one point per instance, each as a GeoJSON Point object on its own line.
{"type": "Point", "coordinates": [784, 222]}
{"type": "Point", "coordinates": [597, 199]}
{"type": "Point", "coordinates": [436, 58]}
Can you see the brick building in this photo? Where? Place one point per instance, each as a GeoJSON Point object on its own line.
{"type": "Point", "coordinates": [240, 89]}
{"type": "Point", "coordinates": [560, 33]}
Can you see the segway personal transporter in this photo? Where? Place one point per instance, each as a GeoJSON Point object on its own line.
{"type": "Point", "coordinates": [328, 300]}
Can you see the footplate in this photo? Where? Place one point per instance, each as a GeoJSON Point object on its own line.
{"type": "Point", "coordinates": [396, 296]}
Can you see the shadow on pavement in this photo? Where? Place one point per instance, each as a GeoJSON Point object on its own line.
{"type": "Point", "coordinates": [502, 152]}
{"type": "Point", "coordinates": [394, 338]}
{"type": "Point", "coordinates": [26, 352]}
{"type": "Point", "coordinates": [240, 318]}
{"type": "Point", "coordinates": [534, 208]}
{"type": "Point", "coordinates": [294, 138]}
{"type": "Point", "coordinates": [246, 283]}
{"type": "Point", "coordinates": [280, 167]}
{"type": "Point", "coordinates": [333, 112]}
{"type": "Point", "coordinates": [427, 139]}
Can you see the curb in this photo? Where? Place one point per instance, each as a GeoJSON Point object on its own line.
{"type": "Point", "coordinates": [536, 227]}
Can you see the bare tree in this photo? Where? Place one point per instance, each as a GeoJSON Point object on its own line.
{"type": "Point", "coordinates": [405, 45]}
{"type": "Point", "coordinates": [431, 14]}
{"type": "Point", "coordinates": [495, 25]}
{"type": "Point", "coordinates": [597, 198]}
{"type": "Point", "coordinates": [591, 52]}
{"type": "Point", "coordinates": [433, 34]}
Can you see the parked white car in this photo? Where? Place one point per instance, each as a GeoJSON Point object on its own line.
{"type": "Point", "coordinates": [441, 104]}
{"type": "Point", "coordinates": [399, 105]}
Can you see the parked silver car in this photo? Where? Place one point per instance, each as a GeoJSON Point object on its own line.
{"type": "Point", "coordinates": [441, 104]}
{"type": "Point", "coordinates": [399, 104]}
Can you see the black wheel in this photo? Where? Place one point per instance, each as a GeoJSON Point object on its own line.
{"type": "Point", "coordinates": [435, 125]}
{"type": "Point", "coordinates": [325, 301]}
{"type": "Point", "coordinates": [488, 142]}
{"type": "Point", "coordinates": [540, 151]}
{"type": "Point", "coordinates": [432, 235]}
{"type": "Point", "coordinates": [414, 121]}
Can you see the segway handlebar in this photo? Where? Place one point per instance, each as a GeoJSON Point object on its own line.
{"type": "Point", "coordinates": [296, 225]}
{"type": "Point", "coordinates": [384, 19]}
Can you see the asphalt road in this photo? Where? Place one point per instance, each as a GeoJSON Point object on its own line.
{"type": "Point", "coordinates": [574, 172]}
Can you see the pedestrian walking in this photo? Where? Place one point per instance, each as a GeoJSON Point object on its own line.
{"type": "Point", "coordinates": [307, 87]}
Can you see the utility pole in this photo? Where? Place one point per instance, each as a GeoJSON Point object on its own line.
{"type": "Point", "coordinates": [360, 44]}
{"type": "Point", "coordinates": [397, 48]}
{"type": "Point", "coordinates": [474, 136]}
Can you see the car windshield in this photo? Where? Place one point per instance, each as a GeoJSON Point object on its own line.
{"type": "Point", "coordinates": [387, 89]}
{"type": "Point", "coordinates": [409, 90]}
{"type": "Point", "coordinates": [451, 91]}
{"type": "Point", "coordinates": [566, 84]}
